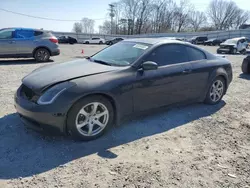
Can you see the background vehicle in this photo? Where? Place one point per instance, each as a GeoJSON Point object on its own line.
{"type": "Point", "coordinates": [214, 42]}
{"type": "Point", "coordinates": [21, 42]}
{"type": "Point", "coordinates": [198, 40]}
{"type": "Point", "coordinates": [232, 46]}
{"type": "Point", "coordinates": [94, 41]}
{"type": "Point", "coordinates": [66, 40]}
{"type": "Point", "coordinates": [245, 67]}
{"type": "Point", "coordinates": [113, 41]}
{"type": "Point", "coordinates": [126, 78]}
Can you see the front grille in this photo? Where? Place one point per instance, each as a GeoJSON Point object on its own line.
{"type": "Point", "coordinates": [225, 47]}
{"type": "Point", "coordinates": [28, 93]}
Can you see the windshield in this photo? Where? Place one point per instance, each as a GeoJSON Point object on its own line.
{"type": "Point", "coordinates": [122, 53]}
{"type": "Point", "coordinates": [231, 41]}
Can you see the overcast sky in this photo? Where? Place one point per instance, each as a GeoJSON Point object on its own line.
{"type": "Point", "coordinates": [68, 10]}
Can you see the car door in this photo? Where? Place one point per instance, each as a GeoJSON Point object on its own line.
{"type": "Point", "coordinates": [93, 41]}
{"type": "Point", "coordinates": [7, 42]}
{"type": "Point", "coordinates": [25, 41]}
{"type": "Point", "coordinates": [164, 86]}
{"type": "Point", "coordinates": [199, 69]}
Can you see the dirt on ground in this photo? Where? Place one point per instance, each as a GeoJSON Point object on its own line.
{"type": "Point", "coordinates": [192, 146]}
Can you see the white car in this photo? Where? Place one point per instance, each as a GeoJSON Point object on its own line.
{"type": "Point", "coordinates": [232, 46]}
{"type": "Point", "coordinates": [94, 41]}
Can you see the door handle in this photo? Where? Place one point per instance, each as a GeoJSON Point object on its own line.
{"type": "Point", "coordinates": [187, 71]}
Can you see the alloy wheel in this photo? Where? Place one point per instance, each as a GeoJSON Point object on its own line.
{"type": "Point", "coordinates": [42, 55]}
{"type": "Point", "coordinates": [216, 90]}
{"type": "Point", "coordinates": [92, 119]}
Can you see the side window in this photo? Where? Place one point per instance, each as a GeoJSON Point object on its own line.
{"type": "Point", "coordinates": [6, 34]}
{"type": "Point", "coordinates": [169, 54]}
{"type": "Point", "coordinates": [24, 34]}
{"type": "Point", "coordinates": [243, 40]}
{"type": "Point", "coordinates": [195, 55]}
{"type": "Point", "coordinates": [38, 33]}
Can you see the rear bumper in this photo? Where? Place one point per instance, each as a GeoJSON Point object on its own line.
{"type": "Point", "coordinates": [55, 53]}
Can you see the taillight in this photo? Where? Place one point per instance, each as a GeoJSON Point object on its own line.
{"type": "Point", "coordinates": [54, 40]}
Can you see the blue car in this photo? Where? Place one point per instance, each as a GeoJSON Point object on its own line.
{"type": "Point", "coordinates": [26, 43]}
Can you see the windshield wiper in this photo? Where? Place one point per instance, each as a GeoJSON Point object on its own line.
{"type": "Point", "coordinates": [100, 61]}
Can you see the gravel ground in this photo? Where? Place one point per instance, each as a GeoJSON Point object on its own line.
{"type": "Point", "coordinates": [191, 146]}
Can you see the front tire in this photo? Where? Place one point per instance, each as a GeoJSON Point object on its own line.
{"type": "Point", "coordinates": [90, 118]}
{"type": "Point", "coordinates": [42, 55]}
{"type": "Point", "coordinates": [100, 42]}
{"type": "Point", "coordinates": [216, 91]}
{"type": "Point", "coordinates": [234, 51]}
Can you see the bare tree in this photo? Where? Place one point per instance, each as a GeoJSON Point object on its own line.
{"type": "Point", "coordinates": [131, 8]}
{"type": "Point", "coordinates": [118, 13]}
{"type": "Point", "coordinates": [159, 16]}
{"type": "Point", "coordinates": [144, 13]}
{"type": "Point", "coordinates": [197, 19]}
{"type": "Point", "coordinates": [182, 15]}
{"type": "Point", "coordinates": [162, 15]}
{"type": "Point", "coordinates": [105, 28]}
{"type": "Point", "coordinates": [224, 14]}
{"type": "Point", "coordinates": [88, 25]}
{"type": "Point", "coordinates": [242, 18]}
{"type": "Point", "coordinates": [77, 27]}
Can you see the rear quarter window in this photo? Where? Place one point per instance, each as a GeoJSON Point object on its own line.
{"type": "Point", "coordinates": [195, 54]}
{"type": "Point", "coordinates": [38, 33]}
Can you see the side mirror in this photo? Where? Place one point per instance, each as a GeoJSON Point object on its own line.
{"type": "Point", "coordinates": [149, 65]}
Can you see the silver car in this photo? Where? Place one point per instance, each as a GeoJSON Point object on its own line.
{"type": "Point", "coordinates": [22, 42]}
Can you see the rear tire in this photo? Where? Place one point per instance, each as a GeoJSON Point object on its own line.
{"type": "Point", "coordinates": [42, 55]}
{"type": "Point", "coordinates": [245, 67]}
{"type": "Point", "coordinates": [84, 114]}
{"type": "Point", "coordinates": [216, 91]}
{"type": "Point", "coordinates": [87, 42]}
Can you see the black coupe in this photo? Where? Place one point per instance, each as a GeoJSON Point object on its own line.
{"type": "Point", "coordinates": [85, 97]}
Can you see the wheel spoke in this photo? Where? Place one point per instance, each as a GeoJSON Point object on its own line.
{"type": "Point", "coordinates": [83, 112]}
{"type": "Point", "coordinates": [101, 114]}
{"type": "Point", "coordinates": [90, 126]}
{"type": "Point", "coordinates": [81, 125]}
{"type": "Point", "coordinates": [214, 86]}
{"type": "Point", "coordinates": [217, 96]}
{"type": "Point", "coordinates": [97, 122]}
{"type": "Point", "coordinates": [94, 109]}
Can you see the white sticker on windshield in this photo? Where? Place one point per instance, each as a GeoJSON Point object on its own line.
{"type": "Point", "coordinates": [140, 46]}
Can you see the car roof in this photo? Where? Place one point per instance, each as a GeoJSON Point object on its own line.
{"type": "Point", "coordinates": [155, 40]}
{"type": "Point", "coordinates": [22, 28]}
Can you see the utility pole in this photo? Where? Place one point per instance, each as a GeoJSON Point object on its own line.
{"type": "Point", "coordinates": [112, 15]}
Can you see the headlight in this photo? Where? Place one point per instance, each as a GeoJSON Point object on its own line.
{"type": "Point", "coordinates": [51, 94]}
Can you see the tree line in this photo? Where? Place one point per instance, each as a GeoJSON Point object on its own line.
{"type": "Point", "coordinates": [161, 16]}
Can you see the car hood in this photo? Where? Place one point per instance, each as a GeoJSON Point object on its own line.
{"type": "Point", "coordinates": [227, 44]}
{"type": "Point", "coordinates": [46, 76]}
